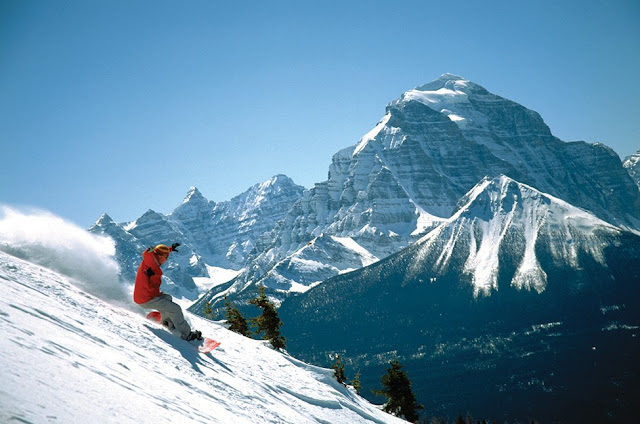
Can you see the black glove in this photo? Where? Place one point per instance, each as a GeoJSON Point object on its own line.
{"type": "Point", "coordinates": [149, 272]}
{"type": "Point", "coordinates": [173, 247]}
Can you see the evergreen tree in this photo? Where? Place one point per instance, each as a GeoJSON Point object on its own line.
{"type": "Point", "coordinates": [338, 369]}
{"type": "Point", "coordinates": [268, 323]}
{"type": "Point", "coordinates": [356, 382]}
{"type": "Point", "coordinates": [397, 388]}
{"type": "Point", "coordinates": [236, 321]}
{"type": "Point", "coordinates": [207, 310]}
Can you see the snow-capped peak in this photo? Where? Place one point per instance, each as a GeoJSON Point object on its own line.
{"type": "Point", "coordinates": [149, 216]}
{"type": "Point", "coordinates": [277, 179]}
{"type": "Point", "coordinates": [193, 207]}
{"type": "Point", "coordinates": [104, 220]}
{"type": "Point", "coordinates": [499, 192]}
{"type": "Point", "coordinates": [448, 95]}
{"type": "Point", "coordinates": [194, 195]}
{"type": "Point", "coordinates": [502, 214]}
{"type": "Point", "coordinates": [276, 184]}
{"type": "Point", "coordinates": [449, 76]}
{"type": "Point", "coordinates": [251, 200]}
{"type": "Point", "coordinates": [449, 82]}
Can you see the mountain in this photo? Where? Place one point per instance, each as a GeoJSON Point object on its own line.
{"type": "Point", "coordinates": [128, 247]}
{"type": "Point", "coordinates": [406, 175]}
{"type": "Point", "coordinates": [227, 231]}
{"type": "Point", "coordinates": [71, 357]}
{"type": "Point", "coordinates": [632, 165]}
{"type": "Point", "coordinates": [240, 222]}
{"type": "Point", "coordinates": [518, 307]}
{"type": "Point", "coordinates": [150, 229]}
{"type": "Point", "coordinates": [213, 235]}
{"type": "Point", "coordinates": [520, 137]}
{"type": "Point", "coordinates": [504, 219]}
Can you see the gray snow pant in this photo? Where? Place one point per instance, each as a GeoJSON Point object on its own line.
{"type": "Point", "coordinates": [170, 311]}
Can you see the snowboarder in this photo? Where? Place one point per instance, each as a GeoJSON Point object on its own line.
{"type": "Point", "coordinates": [147, 294]}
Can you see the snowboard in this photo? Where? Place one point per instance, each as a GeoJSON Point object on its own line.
{"type": "Point", "coordinates": [205, 346]}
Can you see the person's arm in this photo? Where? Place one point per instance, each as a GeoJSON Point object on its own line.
{"type": "Point", "coordinates": [153, 269]}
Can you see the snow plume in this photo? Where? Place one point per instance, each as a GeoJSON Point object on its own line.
{"type": "Point", "coordinates": [48, 240]}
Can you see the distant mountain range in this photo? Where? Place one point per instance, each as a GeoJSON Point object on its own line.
{"type": "Point", "coordinates": [401, 180]}
{"type": "Point", "coordinates": [406, 176]}
{"type": "Point", "coordinates": [214, 236]}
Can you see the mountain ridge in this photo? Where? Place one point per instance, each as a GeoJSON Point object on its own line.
{"type": "Point", "coordinates": [398, 182]}
{"type": "Point", "coordinates": [407, 174]}
{"type": "Point", "coordinates": [212, 234]}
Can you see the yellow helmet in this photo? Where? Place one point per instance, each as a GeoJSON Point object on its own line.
{"type": "Point", "coordinates": [162, 250]}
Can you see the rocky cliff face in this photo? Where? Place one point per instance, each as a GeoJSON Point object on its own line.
{"type": "Point", "coordinates": [632, 165]}
{"type": "Point", "coordinates": [240, 222]}
{"type": "Point", "coordinates": [585, 175]}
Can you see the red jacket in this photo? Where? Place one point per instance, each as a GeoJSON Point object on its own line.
{"type": "Point", "coordinates": [147, 287]}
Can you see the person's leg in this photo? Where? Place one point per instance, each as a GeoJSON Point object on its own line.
{"type": "Point", "coordinates": [170, 311]}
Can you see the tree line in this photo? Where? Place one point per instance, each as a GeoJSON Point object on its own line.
{"type": "Point", "coordinates": [396, 385]}
{"type": "Point", "coordinates": [268, 323]}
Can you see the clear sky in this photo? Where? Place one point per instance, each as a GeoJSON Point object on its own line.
{"type": "Point", "coordinates": [120, 106]}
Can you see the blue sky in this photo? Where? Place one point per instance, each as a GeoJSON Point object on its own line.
{"type": "Point", "coordinates": [120, 106]}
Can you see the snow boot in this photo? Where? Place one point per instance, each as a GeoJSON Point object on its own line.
{"type": "Point", "coordinates": [194, 335]}
{"type": "Point", "coordinates": [168, 324]}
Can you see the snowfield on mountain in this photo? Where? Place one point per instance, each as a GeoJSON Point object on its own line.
{"type": "Point", "coordinates": [69, 357]}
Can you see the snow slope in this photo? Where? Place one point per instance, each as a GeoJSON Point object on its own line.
{"type": "Point", "coordinates": [322, 258]}
{"type": "Point", "coordinates": [68, 356]}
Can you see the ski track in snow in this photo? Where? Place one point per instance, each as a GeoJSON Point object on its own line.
{"type": "Point", "coordinates": [70, 357]}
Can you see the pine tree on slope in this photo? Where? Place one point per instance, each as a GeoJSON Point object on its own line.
{"type": "Point", "coordinates": [356, 383]}
{"type": "Point", "coordinates": [268, 323]}
{"type": "Point", "coordinates": [397, 388]}
{"type": "Point", "coordinates": [236, 321]}
{"type": "Point", "coordinates": [338, 369]}
{"type": "Point", "coordinates": [207, 310]}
